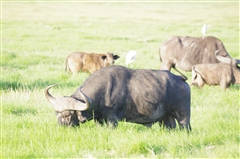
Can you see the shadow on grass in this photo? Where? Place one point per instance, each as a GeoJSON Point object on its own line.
{"type": "Point", "coordinates": [37, 84]}
{"type": "Point", "coordinates": [20, 110]}
{"type": "Point", "coordinates": [235, 87]}
{"type": "Point", "coordinates": [34, 80]}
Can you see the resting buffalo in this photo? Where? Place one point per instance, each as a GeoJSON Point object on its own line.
{"type": "Point", "coordinates": [88, 62]}
{"type": "Point", "coordinates": [184, 52]}
{"type": "Point", "coordinates": [225, 73]}
{"type": "Point", "coordinates": [115, 93]}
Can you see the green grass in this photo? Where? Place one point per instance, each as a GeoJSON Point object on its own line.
{"type": "Point", "coordinates": [38, 36]}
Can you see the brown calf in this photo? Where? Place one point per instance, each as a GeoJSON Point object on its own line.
{"type": "Point", "coordinates": [225, 73]}
{"type": "Point", "coordinates": [88, 62]}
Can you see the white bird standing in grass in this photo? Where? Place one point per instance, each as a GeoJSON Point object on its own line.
{"type": "Point", "coordinates": [204, 29]}
{"type": "Point", "coordinates": [130, 57]}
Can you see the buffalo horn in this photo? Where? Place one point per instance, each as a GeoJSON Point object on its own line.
{"type": "Point", "coordinates": [227, 60]}
{"type": "Point", "coordinates": [67, 103]}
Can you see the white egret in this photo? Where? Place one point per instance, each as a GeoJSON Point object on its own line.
{"type": "Point", "coordinates": [130, 57]}
{"type": "Point", "coordinates": [204, 29]}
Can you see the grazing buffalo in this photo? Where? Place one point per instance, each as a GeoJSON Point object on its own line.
{"type": "Point", "coordinates": [88, 62]}
{"type": "Point", "coordinates": [115, 93]}
{"type": "Point", "coordinates": [184, 52]}
{"type": "Point", "coordinates": [225, 73]}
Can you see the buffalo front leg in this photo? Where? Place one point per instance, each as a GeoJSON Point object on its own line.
{"type": "Point", "coordinates": [112, 121]}
{"type": "Point", "coordinates": [224, 84]}
{"type": "Point", "coordinates": [109, 115]}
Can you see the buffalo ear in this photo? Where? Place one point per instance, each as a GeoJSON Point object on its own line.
{"type": "Point", "coordinates": [103, 57]}
{"type": "Point", "coordinates": [116, 57]}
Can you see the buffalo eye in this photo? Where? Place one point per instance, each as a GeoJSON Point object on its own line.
{"type": "Point", "coordinates": [67, 113]}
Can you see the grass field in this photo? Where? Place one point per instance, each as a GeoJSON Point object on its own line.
{"type": "Point", "coordinates": [36, 37]}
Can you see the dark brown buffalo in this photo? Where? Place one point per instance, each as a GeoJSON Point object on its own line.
{"type": "Point", "coordinates": [88, 62]}
{"type": "Point", "coordinates": [225, 73]}
{"type": "Point", "coordinates": [139, 96]}
{"type": "Point", "coordinates": [184, 52]}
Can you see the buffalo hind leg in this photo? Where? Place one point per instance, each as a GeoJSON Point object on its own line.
{"type": "Point", "coordinates": [184, 122]}
{"type": "Point", "coordinates": [168, 121]}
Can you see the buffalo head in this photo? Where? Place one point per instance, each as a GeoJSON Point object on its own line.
{"type": "Point", "coordinates": [68, 109]}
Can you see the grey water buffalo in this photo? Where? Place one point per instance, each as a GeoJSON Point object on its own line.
{"type": "Point", "coordinates": [88, 62]}
{"type": "Point", "coordinates": [116, 93]}
{"type": "Point", "coordinates": [224, 74]}
{"type": "Point", "coordinates": [184, 52]}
